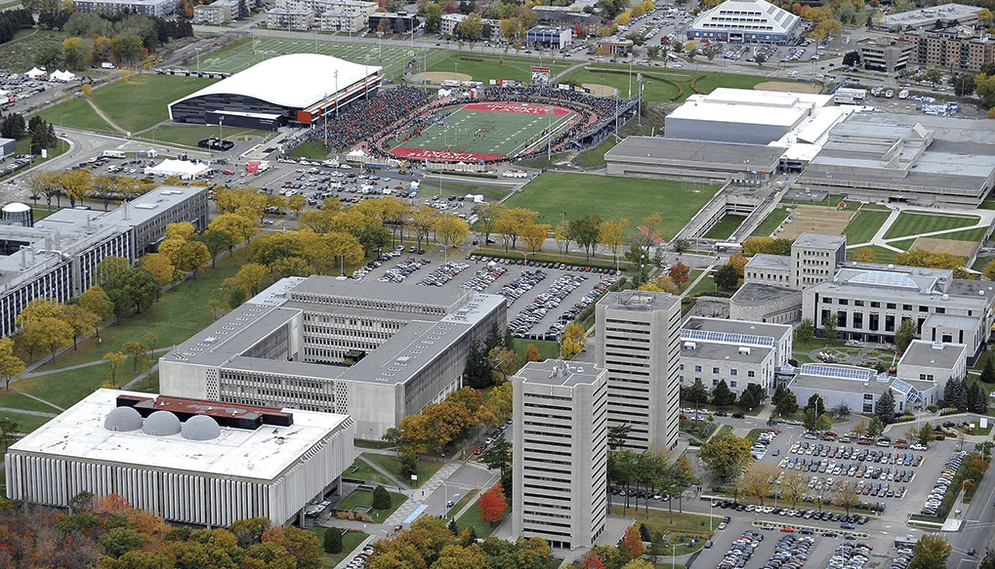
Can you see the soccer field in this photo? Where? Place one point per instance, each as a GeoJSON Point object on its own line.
{"type": "Point", "coordinates": [486, 130]}
{"type": "Point", "coordinates": [244, 54]}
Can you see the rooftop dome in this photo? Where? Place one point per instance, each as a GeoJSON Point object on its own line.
{"type": "Point", "coordinates": [122, 419]}
{"type": "Point", "coordinates": [200, 428]}
{"type": "Point", "coordinates": [161, 424]}
{"type": "Point", "coordinates": [15, 207]}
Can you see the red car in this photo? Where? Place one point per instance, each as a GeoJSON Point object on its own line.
{"type": "Point", "coordinates": [788, 529]}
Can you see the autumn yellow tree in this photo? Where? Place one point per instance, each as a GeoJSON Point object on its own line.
{"type": "Point", "coordinates": [451, 229]}
{"type": "Point", "coordinates": [46, 333]}
{"type": "Point", "coordinates": [238, 227]}
{"type": "Point", "coordinates": [96, 301]}
{"type": "Point", "coordinates": [186, 256]}
{"type": "Point", "coordinates": [113, 361]}
{"type": "Point", "coordinates": [137, 351]}
{"type": "Point", "coordinates": [572, 340]}
{"type": "Point", "coordinates": [80, 320]}
{"type": "Point", "coordinates": [160, 266]}
{"type": "Point", "coordinates": [181, 230]}
{"type": "Point", "coordinates": [75, 184]}
{"type": "Point", "coordinates": [11, 366]}
{"type": "Point", "coordinates": [612, 235]}
{"type": "Point", "coordinates": [534, 235]}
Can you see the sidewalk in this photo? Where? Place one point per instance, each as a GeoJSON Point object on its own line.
{"type": "Point", "coordinates": [420, 495]}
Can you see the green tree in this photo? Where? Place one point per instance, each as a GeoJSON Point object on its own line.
{"type": "Point", "coordinates": [988, 372]}
{"type": "Point", "coordinates": [884, 410]}
{"type": "Point", "coordinates": [333, 540]}
{"type": "Point", "coordinates": [905, 334]}
{"type": "Point", "coordinates": [409, 466]}
{"type": "Point", "coordinates": [816, 404]}
{"type": "Point", "coordinates": [829, 327]}
{"type": "Point", "coordinates": [785, 402]}
{"type": "Point", "coordinates": [695, 394]}
{"type": "Point", "coordinates": [726, 277]}
{"type": "Point", "coordinates": [725, 455]}
{"type": "Point", "coordinates": [931, 552]}
{"type": "Point", "coordinates": [804, 332]}
{"type": "Point", "coordinates": [138, 353]}
{"type": "Point", "coordinates": [875, 427]}
{"type": "Point", "coordinates": [722, 396]}
{"type": "Point", "coordinates": [381, 499]}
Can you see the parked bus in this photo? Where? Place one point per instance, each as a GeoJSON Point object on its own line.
{"type": "Point", "coordinates": [114, 154]}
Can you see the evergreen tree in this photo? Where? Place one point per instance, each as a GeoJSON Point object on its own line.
{"type": "Point", "coordinates": [830, 331]}
{"type": "Point", "coordinates": [453, 528]}
{"type": "Point", "coordinates": [473, 535]}
{"type": "Point", "coordinates": [722, 396]}
{"type": "Point", "coordinates": [988, 372]}
{"type": "Point", "coordinates": [381, 499]}
{"type": "Point", "coordinates": [885, 408]}
{"type": "Point", "coordinates": [477, 373]}
{"type": "Point", "coordinates": [979, 401]}
{"type": "Point", "coordinates": [333, 540]}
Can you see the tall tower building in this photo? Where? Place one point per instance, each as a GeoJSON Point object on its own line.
{"type": "Point", "coordinates": [638, 336]}
{"type": "Point", "coordinates": [560, 466]}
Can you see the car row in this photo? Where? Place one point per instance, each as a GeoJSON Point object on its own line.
{"type": "Point", "coordinates": [834, 468]}
{"type": "Point", "coordinates": [540, 264]}
{"type": "Point", "coordinates": [790, 552]}
{"type": "Point", "coordinates": [860, 455]}
{"type": "Point", "coordinates": [741, 550]}
{"type": "Point", "coordinates": [483, 278]}
{"type": "Point", "coordinates": [443, 274]}
{"type": "Point", "coordinates": [943, 482]}
{"type": "Point", "coordinates": [850, 556]}
{"type": "Point", "coordinates": [404, 269]}
{"type": "Point", "coordinates": [516, 288]}
{"type": "Point", "coordinates": [535, 311]}
{"type": "Point", "coordinates": [359, 561]}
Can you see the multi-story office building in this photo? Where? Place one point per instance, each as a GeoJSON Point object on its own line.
{"type": "Point", "coordinates": [639, 344]}
{"type": "Point", "coordinates": [375, 351]}
{"type": "Point", "coordinates": [739, 352]}
{"type": "Point", "coordinates": [57, 257]}
{"type": "Point", "coordinates": [815, 258]}
{"type": "Point", "coordinates": [560, 465]}
{"type": "Point", "coordinates": [954, 48]}
{"type": "Point", "coordinates": [193, 462]}
{"type": "Point", "coordinates": [156, 8]}
{"type": "Point", "coordinates": [885, 54]}
{"type": "Point", "coordinates": [859, 388]}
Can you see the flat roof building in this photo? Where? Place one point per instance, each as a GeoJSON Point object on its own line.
{"type": "Point", "coordinates": [560, 466]}
{"type": "Point", "coordinates": [961, 48]}
{"type": "Point", "coordinates": [58, 256]}
{"type": "Point", "coordinates": [639, 345]}
{"type": "Point", "coordinates": [713, 162]}
{"type": "Point", "coordinates": [549, 36]}
{"type": "Point", "coordinates": [190, 461]}
{"type": "Point", "coordinates": [744, 21]}
{"type": "Point", "coordinates": [759, 302]}
{"type": "Point", "coordinates": [372, 350]}
{"type": "Point", "coordinates": [946, 14]}
{"type": "Point", "coordinates": [739, 352]}
{"type": "Point", "coordinates": [859, 388]}
{"type": "Point", "coordinates": [885, 54]}
{"type": "Point", "coordinates": [936, 362]}
{"type": "Point", "coordinates": [154, 8]}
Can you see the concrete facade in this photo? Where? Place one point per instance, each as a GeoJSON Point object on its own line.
{"type": "Point", "coordinates": [560, 465]}
{"type": "Point", "coordinates": [639, 345]}
{"type": "Point", "coordinates": [758, 302]}
{"type": "Point", "coordinates": [739, 352]}
{"type": "Point", "coordinates": [815, 257]}
{"type": "Point", "coordinates": [933, 361]}
{"type": "Point", "coordinates": [155, 8]}
{"type": "Point", "coordinates": [955, 48]}
{"type": "Point", "coordinates": [885, 54]}
{"type": "Point", "coordinates": [859, 388]}
{"type": "Point", "coordinates": [747, 21]}
{"type": "Point", "coordinates": [289, 19]}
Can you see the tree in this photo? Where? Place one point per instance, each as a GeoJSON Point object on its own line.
{"type": "Point", "coordinates": [409, 466]}
{"type": "Point", "coordinates": [498, 455]}
{"type": "Point", "coordinates": [11, 366]}
{"type": "Point", "coordinates": [612, 235]}
{"type": "Point", "coordinates": [810, 420]}
{"type": "Point", "coordinates": [532, 353]}
{"type": "Point", "coordinates": [829, 329]}
{"type": "Point", "coordinates": [758, 481]}
{"type": "Point", "coordinates": [477, 371]}
{"type": "Point", "coordinates": [572, 341]}
{"type": "Point", "coordinates": [503, 360]}
{"type": "Point", "coordinates": [905, 334]}
{"type": "Point", "coordinates": [238, 227]}
{"type": "Point", "coordinates": [804, 332]}
{"type": "Point", "coordinates": [931, 552]}
{"type": "Point", "coordinates": [114, 361]}
{"type": "Point", "coordinates": [333, 540]}
{"type": "Point", "coordinates": [217, 241]}
{"type": "Point", "coordinates": [841, 411]}
{"type": "Point", "coordinates": [47, 333]}
{"type": "Point", "coordinates": [724, 455]}
{"type": "Point", "coordinates": [160, 266]}
{"type": "Point", "coordinates": [988, 372]}
{"type": "Point", "coordinates": [80, 320]}
{"type": "Point", "coordinates": [585, 232]}
{"type": "Point", "coordinates": [884, 409]}
{"type": "Point", "coordinates": [138, 353]}
{"type": "Point", "coordinates": [632, 543]}
{"type": "Point", "coordinates": [846, 497]}
{"type": "Point", "coordinates": [381, 499]}
{"type": "Point", "coordinates": [757, 394]}
{"type": "Point", "coordinates": [451, 229]}
{"type": "Point", "coordinates": [492, 504]}
{"type": "Point", "coordinates": [722, 396]}
{"type": "Point", "coordinates": [696, 393]}
{"type": "Point", "coordinates": [679, 272]}
{"type": "Point", "coordinates": [785, 402]}
{"type": "Point", "coordinates": [590, 560]}
{"type": "Point", "coordinates": [726, 277]}
{"type": "Point", "coordinates": [95, 301]}
{"type": "Point", "coordinates": [925, 434]}
{"type": "Point", "coordinates": [875, 427]}
{"type": "Point", "coordinates": [75, 184]}
{"type": "Point", "coordinates": [851, 58]}
{"type": "Point", "coordinates": [186, 256]}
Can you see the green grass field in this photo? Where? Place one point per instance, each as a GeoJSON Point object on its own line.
{"type": "Point", "coordinates": [350, 541]}
{"type": "Point", "coordinates": [881, 254]}
{"type": "Point", "coordinates": [613, 198]}
{"type": "Point", "coordinates": [242, 55]}
{"type": "Point", "coordinates": [725, 227]}
{"type": "Point", "coordinates": [17, 55]}
{"type": "Point", "coordinates": [964, 235]}
{"type": "Point", "coordinates": [358, 498]}
{"type": "Point", "coordinates": [864, 225]}
{"type": "Point", "coordinates": [506, 134]}
{"type": "Point", "coordinates": [191, 134]}
{"type": "Point", "coordinates": [910, 223]}
{"type": "Point", "coordinates": [471, 517]}
{"type": "Point", "coordinates": [135, 104]}
{"type": "Point", "coordinates": [483, 67]}
{"type": "Point", "coordinates": [770, 223]}
{"type": "Point", "coordinates": [392, 464]}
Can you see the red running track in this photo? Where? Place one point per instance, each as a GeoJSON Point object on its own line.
{"type": "Point", "coordinates": [516, 107]}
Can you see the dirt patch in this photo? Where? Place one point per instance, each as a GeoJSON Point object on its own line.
{"type": "Point", "coordinates": [599, 90]}
{"type": "Point", "coordinates": [815, 219]}
{"type": "Point", "coordinates": [934, 245]}
{"type": "Point", "coordinates": [437, 77]}
{"type": "Point", "coordinates": [788, 87]}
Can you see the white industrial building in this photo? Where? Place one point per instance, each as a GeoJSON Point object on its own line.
{"type": "Point", "coordinates": [189, 461]}
{"type": "Point", "coordinates": [744, 21]}
{"type": "Point", "coordinates": [372, 350]}
{"type": "Point", "coordinates": [560, 466]}
{"type": "Point", "coordinates": [639, 343]}
{"type": "Point", "coordinates": [56, 257]}
{"type": "Point", "coordinates": [739, 352]}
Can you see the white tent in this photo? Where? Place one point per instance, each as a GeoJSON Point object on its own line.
{"type": "Point", "coordinates": [35, 73]}
{"type": "Point", "coordinates": [356, 155]}
{"type": "Point", "coordinates": [63, 76]}
{"type": "Point", "coordinates": [185, 169]}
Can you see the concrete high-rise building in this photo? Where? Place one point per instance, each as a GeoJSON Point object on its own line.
{"type": "Point", "coordinates": [639, 345]}
{"type": "Point", "coordinates": [815, 258]}
{"type": "Point", "coordinates": [560, 471]}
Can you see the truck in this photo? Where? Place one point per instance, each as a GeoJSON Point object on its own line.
{"type": "Point", "coordinates": [107, 65]}
{"type": "Point", "coordinates": [903, 94]}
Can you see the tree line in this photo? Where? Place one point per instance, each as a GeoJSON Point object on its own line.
{"type": "Point", "coordinates": [42, 133]}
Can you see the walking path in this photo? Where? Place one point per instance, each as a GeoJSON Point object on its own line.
{"type": "Point", "coordinates": [986, 219]}
{"type": "Point", "coordinates": [420, 495]}
{"type": "Point", "coordinates": [103, 116]}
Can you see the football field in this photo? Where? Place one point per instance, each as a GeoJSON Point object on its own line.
{"type": "Point", "coordinates": [485, 131]}
{"type": "Point", "coordinates": [244, 54]}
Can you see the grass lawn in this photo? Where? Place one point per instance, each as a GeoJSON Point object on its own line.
{"type": "Point", "coordinates": [979, 264]}
{"type": "Point", "coordinates": [964, 235]}
{"type": "Point", "coordinates": [725, 227]}
{"type": "Point", "coordinates": [910, 223]}
{"type": "Point", "coordinates": [830, 201]}
{"type": "Point", "coordinates": [350, 541]}
{"type": "Point", "coordinates": [470, 495]}
{"type": "Point", "coordinates": [364, 443]}
{"type": "Point", "coordinates": [903, 244]}
{"type": "Point", "coordinates": [312, 150]}
{"type": "Point", "coordinates": [392, 464]}
{"type": "Point", "coordinates": [190, 135]}
{"type": "Point", "coordinates": [706, 284]}
{"type": "Point", "coordinates": [134, 104]}
{"type": "Point", "coordinates": [987, 204]}
{"type": "Point", "coordinates": [358, 498]}
{"type": "Point", "coordinates": [25, 423]}
{"type": "Point", "coordinates": [553, 193]}
{"type": "Point", "coordinates": [360, 470]}
{"type": "Point", "coordinates": [881, 254]}
{"type": "Point", "coordinates": [713, 81]}
{"type": "Point", "coordinates": [724, 429]}
{"type": "Point", "coordinates": [15, 400]}
{"type": "Point", "coordinates": [471, 517]}
{"type": "Point", "coordinates": [483, 67]}
{"type": "Point", "coordinates": [547, 350]}
{"type": "Point", "coordinates": [768, 225]}
{"type": "Point", "coordinates": [753, 435]}
{"type": "Point", "coordinates": [864, 225]}
{"type": "Point", "coordinates": [659, 521]}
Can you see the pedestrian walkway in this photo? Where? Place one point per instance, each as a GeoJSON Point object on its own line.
{"type": "Point", "coordinates": [420, 495]}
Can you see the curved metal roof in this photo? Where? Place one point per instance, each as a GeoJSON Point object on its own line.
{"type": "Point", "coordinates": [298, 80]}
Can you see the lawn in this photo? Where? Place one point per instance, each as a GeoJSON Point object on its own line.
{"type": "Point", "coordinates": [14, 400]}
{"type": "Point", "coordinates": [725, 227]}
{"type": "Point", "coordinates": [772, 222]}
{"type": "Point", "coordinates": [964, 235]}
{"type": "Point", "coordinates": [910, 223]}
{"type": "Point", "coordinates": [659, 521]}
{"type": "Point", "coordinates": [25, 423]}
{"type": "Point", "coordinates": [713, 81]}
{"type": "Point", "coordinates": [350, 541]}
{"type": "Point", "coordinates": [485, 67]}
{"type": "Point", "coordinates": [470, 495]}
{"type": "Point", "coordinates": [392, 464]}
{"type": "Point", "coordinates": [358, 498]}
{"type": "Point", "coordinates": [18, 55]}
{"type": "Point", "coordinates": [547, 350]}
{"type": "Point", "coordinates": [190, 135]}
{"type": "Point", "coordinates": [864, 225]}
{"type": "Point", "coordinates": [311, 150]}
{"type": "Point", "coordinates": [471, 517]}
{"type": "Point", "coordinates": [577, 195]}
{"type": "Point", "coordinates": [706, 284]}
{"type": "Point", "coordinates": [134, 104]}
{"type": "Point", "coordinates": [881, 254]}
{"type": "Point", "coordinates": [903, 244]}
{"type": "Point", "coordinates": [361, 470]}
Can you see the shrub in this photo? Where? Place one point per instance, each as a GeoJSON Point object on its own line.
{"type": "Point", "coordinates": [381, 499]}
{"type": "Point", "coordinates": [333, 540]}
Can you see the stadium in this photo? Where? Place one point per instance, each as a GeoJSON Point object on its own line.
{"type": "Point", "coordinates": [296, 90]}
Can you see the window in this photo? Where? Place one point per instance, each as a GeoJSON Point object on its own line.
{"type": "Point", "coordinates": [732, 384]}
{"type": "Point", "coordinates": [907, 307]}
{"type": "Point", "coordinates": [923, 308]}
{"type": "Point", "coordinates": [844, 301]}
{"type": "Point", "coordinates": [827, 300]}
{"type": "Point", "coordinates": [715, 383]}
{"type": "Point", "coordinates": [868, 396]}
{"type": "Point", "coordinates": [941, 310]}
{"type": "Point", "coordinates": [734, 372]}
{"type": "Point", "coordinates": [858, 303]}
{"type": "Point", "coordinates": [751, 373]}
{"type": "Point", "coordinates": [875, 304]}
{"type": "Point", "coordinates": [682, 367]}
{"type": "Point", "coordinates": [890, 306]}
{"type": "Point", "coordinates": [715, 370]}
{"type": "Point", "coordinates": [697, 368]}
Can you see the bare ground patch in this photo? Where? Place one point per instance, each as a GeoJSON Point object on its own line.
{"type": "Point", "coordinates": [788, 87]}
{"type": "Point", "coordinates": [934, 245]}
{"type": "Point", "coordinates": [815, 219]}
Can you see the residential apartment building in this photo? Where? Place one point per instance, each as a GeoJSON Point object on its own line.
{"type": "Point", "coordinates": [220, 11]}
{"type": "Point", "coordinates": [289, 19]}
{"type": "Point", "coordinates": [449, 25]}
{"type": "Point", "coordinates": [956, 48]}
{"type": "Point", "coordinates": [58, 256]}
{"type": "Point", "coordinates": [885, 54]}
{"type": "Point", "coordinates": [342, 21]}
{"type": "Point", "coordinates": [639, 345]}
{"type": "Point", "coordinates": [560, 464]}
{"type": "Point", "coordinates": [739, 352]}
{"type": "Point", "coordinates": [155, 8]}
